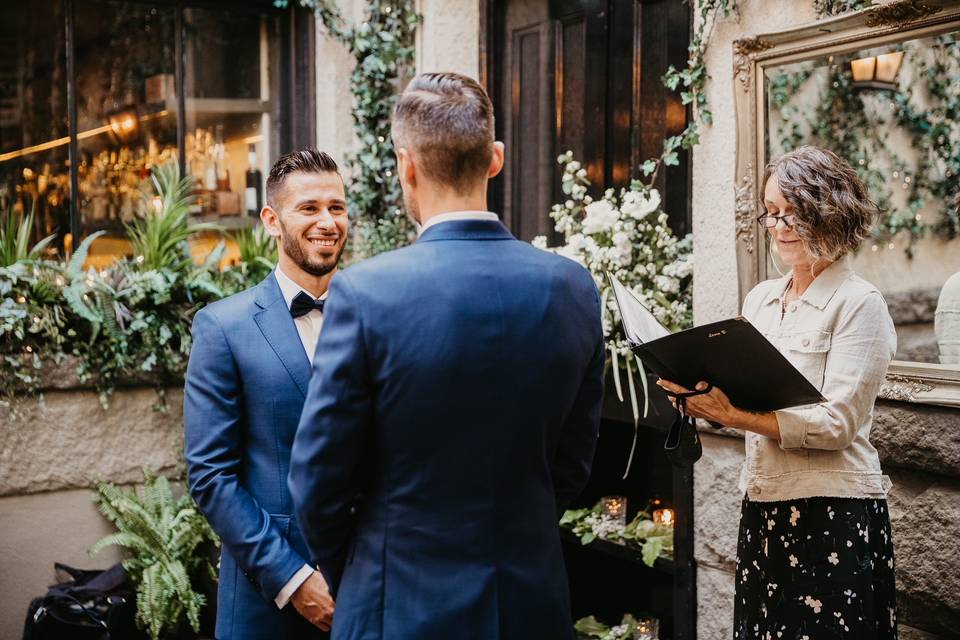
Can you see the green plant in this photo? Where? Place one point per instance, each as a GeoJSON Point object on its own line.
{"type": "Point", "coordinates": [590, 627]}
{"type": "Point", "coordinates": [258, 252]}
{"type": "Point", "coordinates": [128, 321]}
{"type": "Point", "coordinates": [383, 45]}
{"type": "Point", "coordinates": [15, 240]}
{"type": "Point", "coordinates": [159, 234]}
{"type": "Point", "coordinates": [166, 540]}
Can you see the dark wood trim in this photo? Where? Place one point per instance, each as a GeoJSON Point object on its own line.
{"type": "Point", "coordinates": [685, 574]}
{"type": "Point", "coordinates": [492, 45]}
{"type": "Point", "coordinates": [72, 151]}
{"type": "Point", "coordinates": [297, 111]}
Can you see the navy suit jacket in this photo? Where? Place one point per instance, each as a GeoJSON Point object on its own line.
{"type": "Point", "coordinates": [459, 396]}
{"type": "Point", "coordinates": [245, 386]}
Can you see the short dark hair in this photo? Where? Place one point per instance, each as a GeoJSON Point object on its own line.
{"type": "Point", "coordinates": [447, 118]}
{"type": "Point", "coordinates": [833, 207]}
{"type": "Point", "coordinates": [308, 160]}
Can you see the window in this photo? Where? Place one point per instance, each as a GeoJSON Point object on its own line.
{"type": "Point", "coordinates": [210, 87]}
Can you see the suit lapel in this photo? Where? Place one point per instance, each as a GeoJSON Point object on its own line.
{"type": "Point", "coordinates": [280, 332]}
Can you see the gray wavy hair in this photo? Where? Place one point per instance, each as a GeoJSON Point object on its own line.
{"type": "Point", "coordinates": [833, 206]}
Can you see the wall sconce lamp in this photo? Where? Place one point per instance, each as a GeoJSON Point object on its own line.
{"type": "Point", "coordinates": [877, 72]}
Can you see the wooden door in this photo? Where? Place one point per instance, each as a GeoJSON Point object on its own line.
{"type": "Point", "coordinates": [584, 76]}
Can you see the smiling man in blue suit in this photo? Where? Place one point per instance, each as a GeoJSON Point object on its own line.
{"type": "Point", "coordinates": [246, 381]}
{"type": "Point", "coordinates": [459, 398]}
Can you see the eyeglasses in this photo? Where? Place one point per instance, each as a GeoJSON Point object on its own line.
{"type": "Point", "coordinates": [771, 222]}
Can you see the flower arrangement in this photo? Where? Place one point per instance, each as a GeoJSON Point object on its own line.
{"type": "Point", "coordinates": [642, 532]}
{"type": "Point", "coordinates": [625, 235]}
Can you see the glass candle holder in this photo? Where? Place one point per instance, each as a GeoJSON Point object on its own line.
{"type": "Point", "coordinates": [663, 517]}
{"type": "Point", "coordinates": [646, 629]}
{"type": "Point", "coordinates": [614, 508]}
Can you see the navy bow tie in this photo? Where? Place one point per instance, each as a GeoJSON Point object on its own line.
{"type": "Point", "coordinates": [303, 304]}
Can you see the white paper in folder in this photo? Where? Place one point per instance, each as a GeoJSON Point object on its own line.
{"type": "Point", "coordinates": [639, 324]}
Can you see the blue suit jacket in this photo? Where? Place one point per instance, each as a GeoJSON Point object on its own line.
{"type": "Point", "coordinates": [245, 387]}
{"type": "Point", "coordinates": [460, 394]}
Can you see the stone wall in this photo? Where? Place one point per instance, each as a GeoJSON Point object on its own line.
{"type": "Point", "coordinates": [51, 454]}
{"type": "Point", "coordinates": [920, 450]}
{"type": "Point", "coordinates": [449, 38]}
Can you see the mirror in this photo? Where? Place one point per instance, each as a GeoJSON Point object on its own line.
{"type": "Point", "coordinates": [881, 88]}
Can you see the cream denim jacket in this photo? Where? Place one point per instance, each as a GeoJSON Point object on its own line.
{"type": "Point", "coordinates": [839, 335]}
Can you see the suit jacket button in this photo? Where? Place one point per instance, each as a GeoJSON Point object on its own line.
{"type": "Point", "coordinates": [353, 510]}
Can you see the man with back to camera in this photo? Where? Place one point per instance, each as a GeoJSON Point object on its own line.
{"type": "Point", "coordinates": [460, 398]}
{"type": "Point", "coordinates": [246, 381]}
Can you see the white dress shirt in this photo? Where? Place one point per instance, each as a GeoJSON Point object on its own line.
{"type": "Point", "coordinates": [308, 326]}
{"type": "Point", "coordinates": [458, 215]}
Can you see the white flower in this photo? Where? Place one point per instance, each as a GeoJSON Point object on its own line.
{"type": "Point", "coordinates": [666, 284]}
{"type": "Point", "coordinates": [639, 206]}
{"type": "Point", "coordinates": [573, 253]}
{"type": "Point", "coordinates": [540, 242]}
{"type": "Point", "coordinates": [601, 215]}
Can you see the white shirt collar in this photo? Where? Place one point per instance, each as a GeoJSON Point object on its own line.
{"type": "Point", "coordinates": [290, 289]}
{"type": "Point", "coordinates": [458, 215]}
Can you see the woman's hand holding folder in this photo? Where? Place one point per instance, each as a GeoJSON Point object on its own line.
{"type": "Point", "coordinates": [715, 406]}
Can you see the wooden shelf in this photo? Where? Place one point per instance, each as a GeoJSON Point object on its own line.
{"type": "Point", "coordinates": [663, 564]}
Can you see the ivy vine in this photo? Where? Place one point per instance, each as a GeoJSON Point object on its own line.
{"type": "Point", "coordinates": [825, 8]}
{"type": "Point", "coordinates": [383, 45]}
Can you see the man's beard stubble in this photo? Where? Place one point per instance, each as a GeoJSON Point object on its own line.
{"type": "Point", "coordinates": [291, 247]}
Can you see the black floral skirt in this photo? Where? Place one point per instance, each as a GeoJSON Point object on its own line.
{"type": "Point", "coordinates": [815, 569]}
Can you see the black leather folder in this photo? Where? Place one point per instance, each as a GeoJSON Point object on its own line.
{"type": "Point", "coordinates": [731, 355]}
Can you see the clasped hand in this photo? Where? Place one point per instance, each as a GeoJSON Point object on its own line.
{"type": "Point", "coordinates": [713, 405]}
{"type": "Point", "coordinates": [314, 602]}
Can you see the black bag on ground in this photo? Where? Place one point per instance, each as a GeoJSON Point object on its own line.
{"type": "Point", "coordinates": [87, 605]}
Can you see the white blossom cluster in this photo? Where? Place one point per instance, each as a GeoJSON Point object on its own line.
{"type": "Point", "coordinates": [628, 236]}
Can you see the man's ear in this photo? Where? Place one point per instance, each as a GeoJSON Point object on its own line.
{"type": "Point", "coordinates": [496, 160]}
{"type": "Point", "coordinates": [271, 220]}
{"type": "Point", "coordinates": [406, 169]}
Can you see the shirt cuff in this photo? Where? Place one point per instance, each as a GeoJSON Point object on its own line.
{"type": "Point", "coordinates": [793, 429]}
{"type": "Point", "coordinates": [292, 585]}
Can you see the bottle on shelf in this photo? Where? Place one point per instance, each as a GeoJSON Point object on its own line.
{"type": "Point", "coordinates": [223, 161]}
{"type": "Point", "coordinates": [254, 194]}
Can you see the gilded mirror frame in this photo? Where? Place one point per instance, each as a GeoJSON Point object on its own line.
{"type": "Point", "coordinates": [896, 21]}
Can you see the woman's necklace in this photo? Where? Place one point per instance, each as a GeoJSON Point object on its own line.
{"type": "Point", "coordinates": [783, 300]}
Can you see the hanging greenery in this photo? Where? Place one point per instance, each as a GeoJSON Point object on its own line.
{"type": "Point", "coordinates": [826, 8]}
{"type": "Point", "coordinates": [383, 46]}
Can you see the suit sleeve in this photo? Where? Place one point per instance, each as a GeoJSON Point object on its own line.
{"type": "Point", "coordinates": [213, 439]}
{"type": "Point", "coordinates": [333, 433]}
{"type": "Point", "coordinates": [578, 439]}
